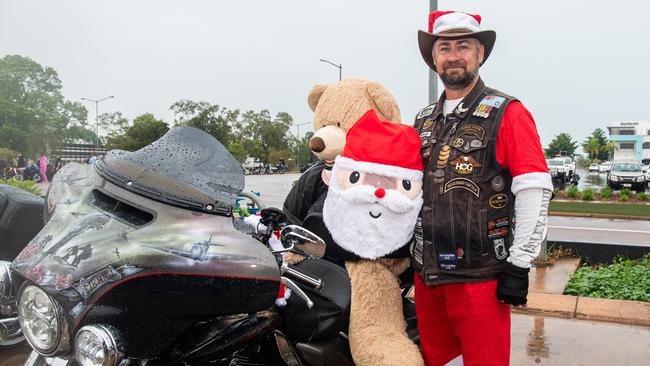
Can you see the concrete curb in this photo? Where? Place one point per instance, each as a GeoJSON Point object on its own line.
{"type": "Point", "coordinates": [598, 216]}
{"type": "Point", "coordinates": [587, 308]}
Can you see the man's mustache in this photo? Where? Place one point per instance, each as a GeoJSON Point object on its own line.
{"type": "Point", "coordinates": [456, 64]}
{"type": "Point", "coordinates": [364, 194]}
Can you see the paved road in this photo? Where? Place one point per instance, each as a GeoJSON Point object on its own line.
{"type": "Point", "coordinates": [539, 340]}
{"type": "Point", "coordinates": [592, 230]}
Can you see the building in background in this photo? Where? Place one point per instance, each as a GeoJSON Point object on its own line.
{"type": "Point", "coordinates": [632, 139]}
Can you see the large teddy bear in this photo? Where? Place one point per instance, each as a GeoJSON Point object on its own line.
{"type": "Point", "coordinates": [373, 202]}
{"type": "Point", "coordinates": [336, 108]}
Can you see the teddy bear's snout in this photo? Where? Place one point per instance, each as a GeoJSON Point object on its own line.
{"type": "Point", "coordinates": [316, 144]}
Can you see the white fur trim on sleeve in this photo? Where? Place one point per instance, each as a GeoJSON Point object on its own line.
{"type": "Point", "coordinates": [531, 180]}
{"type": "Point", "coordinates": [381, 169]}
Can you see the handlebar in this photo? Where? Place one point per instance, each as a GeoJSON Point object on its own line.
{"type": "Point", "coordinates": [315, 283]}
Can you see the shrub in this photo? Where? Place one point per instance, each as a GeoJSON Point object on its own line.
{"type": "Point", "coordinates": [605, 193]}
{"type": "Point", "coordinates": [572, 192]}
{"type": "Point", "coordinates": [626, 192]}
{"type": "Point", "coordinates": [624, 279]}
{"type": "Point", "coordinates": [642, 196]}
{"type": "Point", "coordinates": [624, 197]}
{"type": "Point", "coordinates": [26, 185]}
{"type": "Point", "coordinates": [588, 194]}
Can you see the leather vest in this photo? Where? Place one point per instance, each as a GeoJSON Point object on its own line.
{"type": "Point", "coordinates": [465, 226]}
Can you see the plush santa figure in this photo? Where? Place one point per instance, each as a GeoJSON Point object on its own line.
{"type": "Point", "coordinates": [372, 204]}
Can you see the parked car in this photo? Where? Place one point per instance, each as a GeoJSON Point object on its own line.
{"type": "Point", "coordinates": [626, 174]}
{"type": "Point", "coordinates": [594, 167]}
{"type": "Point", "coordinates": [605, 167]}
{"type": "Point", "coordinates": [559, 169]}
{"type": "Point", "coordinates": [647, 177]}
{"type": "Point", "coordinates": [644, 167]}
{"type": "Point", "coordinates": [569, 164]}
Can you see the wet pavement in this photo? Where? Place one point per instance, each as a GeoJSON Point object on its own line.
{"type": "Point", "coordinates": [552, 279]}
{"type": "Point", "coordinates": [538, 340]}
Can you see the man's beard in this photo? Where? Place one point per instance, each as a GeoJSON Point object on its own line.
{"type": "Point", "coordinates": [457, 81]}
{"type": "Point", "coordinates": [370, 227]}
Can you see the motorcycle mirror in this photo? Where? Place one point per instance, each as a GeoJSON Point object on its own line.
{"type": "Point", "coordinates": [303, 239]}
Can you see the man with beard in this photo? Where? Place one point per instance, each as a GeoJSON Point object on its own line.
{"type": "Point", "coordinates": [483, 163]}
{"type": "Point", "coordinates": [373, 202]}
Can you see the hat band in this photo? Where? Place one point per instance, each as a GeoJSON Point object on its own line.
{"type": "Point", "coordinates": [379, 169]}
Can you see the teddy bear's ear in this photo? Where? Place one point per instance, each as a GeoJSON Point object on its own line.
{"type": "Point", "coordinates": [385, 102]}
{"type": "Point", "coordinates": [315, 94]}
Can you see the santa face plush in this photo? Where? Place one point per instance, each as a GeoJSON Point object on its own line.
{"type": "Point", "coordinates": [375, 191]}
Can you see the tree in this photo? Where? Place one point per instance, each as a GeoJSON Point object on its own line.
{"type": "Point", "coordinates": [561, 145]}
{"type": "Point", "coordinates": [592, 147]}
{"type": "Point", "coordinates": [211, 118]}
{"type": "Point", "coordinates": [34, 115]}
{"type": "Point", "coordinates": [145, 130]}
{"type": "Point", "coordinates": [596, 145]}
{"type": "Point", "coordinates": [265, 137]}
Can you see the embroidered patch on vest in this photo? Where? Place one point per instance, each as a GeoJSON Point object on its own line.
{"type": "Point", "coordinates": [462, 183]}
{"type": "Point", "coordinates": [498, 233]}
{"type": "Point", "coordinates": [498, 183]}
{"type": "Point", "coordinates": [465, 164]}
{"type": "Point", "coordinates": [493, 101]}
{"type": "Point", "coordinates": [427, 124]}
{"type": "Point", "coordinates": [426, 111]}
{"type": "Point", "coordinates": [500, 248]}
{"type": "Point", "coordinates": [472, 130]}
{"type": "Point", "coordinates": [499, 201]}
{"type": "Point", "coordinates": [500, 222]}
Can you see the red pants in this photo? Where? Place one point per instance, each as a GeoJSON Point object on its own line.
{"type": "Point", "coordinates": [462, 318]}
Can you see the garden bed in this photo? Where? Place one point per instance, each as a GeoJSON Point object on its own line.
{"type": "Point", "coordinates": [624, 279]}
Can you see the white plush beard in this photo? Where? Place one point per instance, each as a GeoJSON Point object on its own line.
{"type": "Point", "coordinates": [346, 214]}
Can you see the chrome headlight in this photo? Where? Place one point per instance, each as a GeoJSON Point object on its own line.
{"type": "Point", "coordinates": [96, 345]}
{"type": "Point", "coordinates": [613, 178]}
{"type": "Point", "coordinates": [40, 319]}
{"type": "Point", "coordinates": [640, 178]}
{"type": "Point", "coordinates": [6, 289]}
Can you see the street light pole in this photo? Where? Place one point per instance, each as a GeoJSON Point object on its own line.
{"type": "Point", "coordinates": [339, 66]}
{"type": "Point", "coordinates": [97, 119]}
{"type": "Point", "coordinates": [433, 79]}
{"type": "Point", "coordinates": [298, 145]}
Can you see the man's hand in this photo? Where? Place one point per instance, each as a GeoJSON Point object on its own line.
{"type": "Point", "coordinates": [513, 284]}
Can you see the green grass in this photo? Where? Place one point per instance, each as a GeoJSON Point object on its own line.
{"type": "Point", "coordinates": [601, 208]}
{"type": "Point", "coordinates": [26, 185]}
{"type": "Point", "coordinates": [624, 279]}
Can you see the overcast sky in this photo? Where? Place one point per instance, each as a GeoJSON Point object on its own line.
{"type": "Point", "coordinates": [575, 64]}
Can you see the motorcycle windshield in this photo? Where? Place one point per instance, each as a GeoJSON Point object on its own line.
{"type": "Point", "coordinates": [185, 168]}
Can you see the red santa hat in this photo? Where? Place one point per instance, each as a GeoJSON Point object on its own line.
{"type": "Point", "coordinates": [384, 148]}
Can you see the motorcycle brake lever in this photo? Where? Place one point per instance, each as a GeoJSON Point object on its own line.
{"type": "Point", "coordinates": [291, 285]}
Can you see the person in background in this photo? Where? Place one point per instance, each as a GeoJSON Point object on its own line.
{"type": "Point", "coordinates": [42, 165]}
{"type": "Point", "coordinates": [21, 161]}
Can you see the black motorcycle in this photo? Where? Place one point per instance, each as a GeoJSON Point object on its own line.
{"type": "Point", "coordinates": [142, 263]}
{"type": "Point", "coordinates": [281, 167]}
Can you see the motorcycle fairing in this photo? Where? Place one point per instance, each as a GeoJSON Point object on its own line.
{"type": "Point", "coordinates": [98, 262]}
